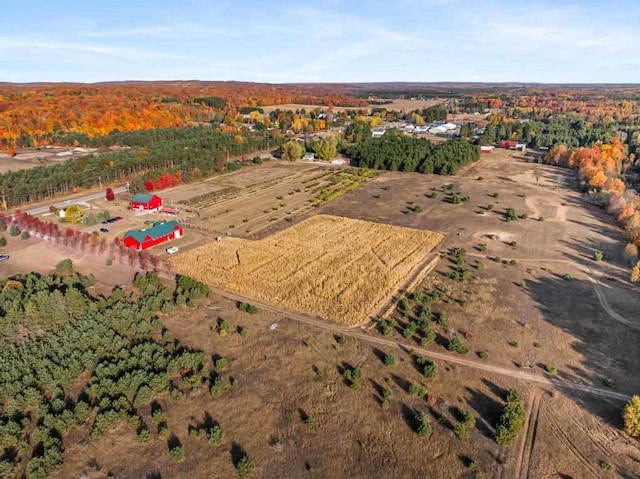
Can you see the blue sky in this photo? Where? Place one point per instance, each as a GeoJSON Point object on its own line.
{"type": "Point", "coordinates": [321, 41]}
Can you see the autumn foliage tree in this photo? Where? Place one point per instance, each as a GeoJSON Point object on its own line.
{"type": "Point", "coordinates": [599, 168]}
{"type": "Point", "coordinates": [109, 195]}
{"type": "Point", "coordinates": [292, 150]}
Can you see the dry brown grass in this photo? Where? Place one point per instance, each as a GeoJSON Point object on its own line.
{"type": "Point", "coordinates": [332, 267]}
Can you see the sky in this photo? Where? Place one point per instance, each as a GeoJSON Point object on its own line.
{"type": "Point", "coordinates": [321, 41]}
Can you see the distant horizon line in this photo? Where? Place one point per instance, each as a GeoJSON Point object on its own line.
{"type": "Point", "coordinates": [451, 83]}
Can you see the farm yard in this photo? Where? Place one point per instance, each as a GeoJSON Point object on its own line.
{"type": "Point", "coordinates": [335, 268]}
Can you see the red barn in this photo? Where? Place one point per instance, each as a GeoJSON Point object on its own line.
{"type": "Point", "coordinates": [508, 144]}
{"type": "Point", "coordinates": [140, 201]}
{"type": "Point", "coordinates": [160, 232]}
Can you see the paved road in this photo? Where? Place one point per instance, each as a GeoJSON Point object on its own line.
{"type": "Point", "coordinates": [44, 209]}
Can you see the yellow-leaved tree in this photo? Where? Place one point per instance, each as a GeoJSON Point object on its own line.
{"type": "Point", "coordinates": [292, 150]}
{"type": "Point", "coordinates": [635, 273]}
{"type": "Point", "coordinates": [73, 214]}
{"type": "Point", "coordinates": [631, 417]}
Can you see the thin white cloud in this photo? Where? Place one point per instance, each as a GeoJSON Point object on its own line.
{"type": "Point", "coordinates": [12, 44]}
{"type": "Point", "coordinates": [178, 31]}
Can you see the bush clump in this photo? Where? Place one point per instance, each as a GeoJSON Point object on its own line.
{"type": "Point", "coordinates": [512, 418]}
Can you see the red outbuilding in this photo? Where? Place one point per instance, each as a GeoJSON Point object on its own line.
{"type": "Point", "coordinates": [141, 201]}
{"type": "Point", "coordinates": [161, 232]}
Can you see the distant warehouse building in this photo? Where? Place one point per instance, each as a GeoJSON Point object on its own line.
{"type": "Point", "coordinates": [141, 201]}
{"type": "Point", "coordinates": [159, 233]}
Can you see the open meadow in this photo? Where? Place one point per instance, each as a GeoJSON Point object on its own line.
{"type": "Point", "coordinates": [335, 268]}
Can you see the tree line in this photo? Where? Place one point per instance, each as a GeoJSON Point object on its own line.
{"type": "Point", "coordinates": [147, 154]}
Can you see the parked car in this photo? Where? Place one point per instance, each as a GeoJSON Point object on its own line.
{"type": "Point", "coordinates": [173, 249]}
{"type": "Point", "coordinates": [104, 230]}
{"type": "Point", "coordinates": [3, 257]}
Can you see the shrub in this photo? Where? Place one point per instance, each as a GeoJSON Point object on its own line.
{"type": "Point", "coordinates": [217, 387]}
{"type": "Point", "coordinates": [430, 370]}
{"type": "Point", "coordinates": [567, 277]}
{"type": "Point", "coordinates": [434, 195]}
{"type": "Point", "coordinates": [25, 235]}
{"type": "Point", "coordinates": [511, 420]}
{"type": "Point", "coordinates": [424, 429]}
{"type": "Point", "coordinates": [456, 200]}
{"type": "Point", "coordinates": [3, 241]}
{"type": "Point", "coordinates": [455, 345]}
{"type": "Point", "coordinates": [442, 319]}
{"type": "Point", "coordinates": [243, 332]}
{"type": "Point", "coordinates": [429, 336]}
{"type": "Point", "coordinates": [108, 261]}
{"type": "Point", "coordinates": [417, 390]}
{"type": "Point", "coordinates": [341, 339]}
{"type": "Point", "coordinates": [496, 194]}
{"type": "Point", "coordinates": [387, 394]}
{"type": "Point", "coordinates": [411, 329]}
{"type": "Point", "coordinates": [244, 467]}
{"type": "Point", "coordinates": [387, 327]}
{"type": "Point", "coordinates": [523, 216]}
{"type": "Point", "coordinates": [215, 435]}
{"type": "Point", "coordinates": [512, 262]}
{"type": "Point", "coordinates": [64, 267]}
{"type": "Point", "coordinates": [483, 355]}
{"type": "Point", "coordinates": [223, 328]}
{"type": "Point", "coordinates": [598, 256]}
{"type": "Point", "coordinates": [631, 417]}
{"type": "Point", "coordinates": [176, 453]}
{"type": "Point", "coordinates": [309, 421]}
{"type": "Point", "coordinates": [14, 230]}
{"type": "Point", "coordinates": [606, 466]}
{"type": "Point", "coordinates": [610, 383]}
{"type": "Point", "coordinates": [510, 214]}
{"type": "Point", "coordinates": [483, 247]}
{"type": "Point", "coordinates": [143, 436]}
{"type": "Point", "coordinates": [513, 244]}
{"type": "Point", "coordinates": [389, 360]}
{"type": "Point", "coordinates": [221, 364]}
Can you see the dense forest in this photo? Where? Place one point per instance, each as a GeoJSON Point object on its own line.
{"type": "Point", "coordinates": [54, 333]}
{"type": "Point", "coordinates": [397, 152]}
{"type": "Point", "coordinates": [558, 129]}
{"type": "Point", "coordinates": [195, 152]}
{"type": "Point", "coordinates": [32, 115]}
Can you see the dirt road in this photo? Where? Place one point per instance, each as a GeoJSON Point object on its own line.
{"type": "Point", "coordinates": [359, 333]}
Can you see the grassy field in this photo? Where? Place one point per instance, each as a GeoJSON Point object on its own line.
{"type": "Point", "coordinates": [335, 268]}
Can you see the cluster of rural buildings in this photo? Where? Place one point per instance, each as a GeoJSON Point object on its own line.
{"type": "Point", "coordinates": [160, 232]}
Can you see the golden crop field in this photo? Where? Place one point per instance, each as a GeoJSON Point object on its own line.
{"type": "Point", "coordinates": [336, 268]}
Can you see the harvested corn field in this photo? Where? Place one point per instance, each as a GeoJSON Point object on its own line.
{"type": "Point", "coordinates": [336, 268]}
